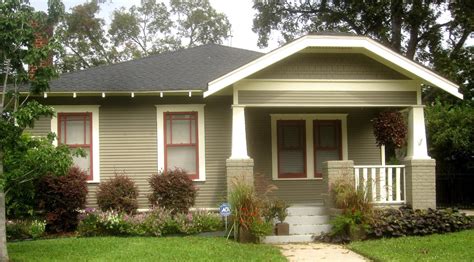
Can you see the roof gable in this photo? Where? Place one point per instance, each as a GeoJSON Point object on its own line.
{"type": "Point", "coordinates": [358, 44]}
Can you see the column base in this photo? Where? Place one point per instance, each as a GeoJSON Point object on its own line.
{"type": "Point", "coordinates": [420, 175]}
{"type": "Point", "coordinates": [239, 168]}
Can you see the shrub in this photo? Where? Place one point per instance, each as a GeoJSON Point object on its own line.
{"type": "Point", "coordinates": [173, 190]}
{"type": "Point", "coordinates": [118, 194]}
{"type": "Point", "coordinates": [390, 129]}
{"type": "Point", "coordinates": [61, 197]}
{"type": "Point", "coordinates": [407, 222]}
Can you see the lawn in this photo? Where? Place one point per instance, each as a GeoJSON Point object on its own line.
{"type": "Point", "coordinates": [448, 247]}
{"type": "Point", "coordinates": [141, 249]}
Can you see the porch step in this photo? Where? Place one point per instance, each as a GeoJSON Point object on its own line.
{"type": "Point", "coordinates": [288, 239]}
{"type": "Point", "coordinates": [307, 210]}
{"type": "Point", "coordinates": [307, 220]}
{"type": "Point", "coordinates": [309, 229]}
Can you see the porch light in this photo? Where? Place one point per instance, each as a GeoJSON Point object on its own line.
{"type": "Point", "coordinates": [103, 95]}
{"type": "Point", "coordinates": [132, 95]}
{"type": "Point", "coordinates": [190, 93]}
{"type": "Point", "coordinates": [161, 94]}
{"type": "Point", "coordinates": [45, 95]}
{"type": "Point", "coordinates": [74, 95]}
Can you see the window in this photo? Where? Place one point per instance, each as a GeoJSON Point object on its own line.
{"type": "Point", "coordinates": [302, 142]}
{"type": "Point", "coordinates": [180, 139]}
{"type": "Point", "coordinates": [75, 131]}
{"type": "Point", "coordinates": [327, 143]}
{"type": "Point", "coordinates": [181, 146]}
{"type": "Point", "coordinates": [291, 149]}
{"type": "Point", "coordinates": [78, 126]}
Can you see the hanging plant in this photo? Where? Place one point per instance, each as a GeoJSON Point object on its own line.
{"type": "Point", "coordinates": [390, 129]}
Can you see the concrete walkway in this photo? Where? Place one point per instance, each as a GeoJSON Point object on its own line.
{"type": "Point", "coordinates": [319, 252]}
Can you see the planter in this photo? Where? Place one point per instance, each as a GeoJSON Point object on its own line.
{"type": "Point", "coordinates": [245, 236]}
{"type": "Point", "coordinates": [282, 229]}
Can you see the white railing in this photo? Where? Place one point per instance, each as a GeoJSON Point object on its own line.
{"type": "Point", "coordinates": [383, 184]}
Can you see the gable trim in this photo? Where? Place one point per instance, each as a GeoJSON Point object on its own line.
{"type": "Point", "coordinates": [364, 43]}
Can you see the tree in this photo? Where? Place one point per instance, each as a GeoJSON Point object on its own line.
{"type": "Point", "coordinates": [20, 25]}
{"type": "Point", "coordinates": [199, 23]}
{"type": "Point", "coordinates": [85, 42]}
{"type": "Point", "coordinates": [143, 29]}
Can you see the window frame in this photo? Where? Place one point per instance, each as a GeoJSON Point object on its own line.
{"type": "Point", "coordinates": [316, 141]}
{"type": "Point", "coordinates": [62, 117]}
{"type": "Point", "coordinates": [195, 144]}
{"type": "Point", "coordinates": [182, 108]}
{"type": "Point", "coordinates": [308, 118]}
{"type": "Point", "coordinates": [301, 124]}
{"type": "Point", "coordinates": [81, 109]}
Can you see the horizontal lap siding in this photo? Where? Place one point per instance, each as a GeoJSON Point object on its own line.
{"type": "Point", "coordinates": [361, 149]}
{"type": "Point", "coordinates": [327, 97]}
{"type": "Point", "coordinates": [42, 127]}
{"type": "Point", "coordinates": [328, 66]}
{"type": "Point", "coordinates": [128, 141]}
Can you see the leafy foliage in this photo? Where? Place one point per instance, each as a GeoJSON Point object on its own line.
{"type": "Point", "coordinates": [173, 190]}
{"type": "Point", "coordinates": [390, 129]}
{"type": "Point", "coordinates": [408, 222]}
{"type": "Point", "coordinates": [25, 163]}
{"type": "Point", "coordinates": [61, 197]}
{"type": "Point", "coordinates": [119, 194]}
{"type": "Point", "coordinates": [157, 222]}
{"type": "Point", "coordinates": [25, 229]}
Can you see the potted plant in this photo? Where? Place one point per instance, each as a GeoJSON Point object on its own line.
{"type": "Point", "coordinates": [281, 211]}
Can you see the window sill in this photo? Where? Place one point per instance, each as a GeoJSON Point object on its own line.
{"type": "Point", "coordinates": [199, 180]}
{"type": "Point", "coordinates": [296, 179]}
{"type": "Point", "coordinates": [93, 182]}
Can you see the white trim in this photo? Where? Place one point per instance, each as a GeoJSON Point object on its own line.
{"type": "Point", "coordinates": [94, 109]}
{"type": "Point", "coordinates": [309, 118]}
{"type": "Point", "coordinates": [326, 105]}
{"type": "Point", "coordinates": [199, 108]}
{"type": "Point", "coordinates": [239, 136]}
{"type": "Point", "coordinates": [417, 147]}
{"type": "Point", "coordinates": [364, 44]}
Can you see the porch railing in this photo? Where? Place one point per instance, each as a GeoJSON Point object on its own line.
{"type": "Point", "coordinates": [382, 184]}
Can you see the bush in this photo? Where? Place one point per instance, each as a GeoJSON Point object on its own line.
{"type": "Point", "coordinates": [408, 222]}
{"type": "Point", "coordinates": [118, 194]}
{"type": "Point", "coordinates": [61, 197]}
{"type": "Point", "coordinates": [173, 191]}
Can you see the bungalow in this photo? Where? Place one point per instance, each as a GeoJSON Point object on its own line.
{"type": "Point", "coordinates": [297, 116]}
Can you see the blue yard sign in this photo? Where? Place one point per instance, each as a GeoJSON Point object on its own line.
{"type": "Point", "coordinates": [224, 209]}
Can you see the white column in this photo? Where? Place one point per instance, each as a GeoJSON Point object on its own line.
{"type": "Point", "coordinates": [416, 148]}
{"type": "Point", "coordinates": [239, 137]}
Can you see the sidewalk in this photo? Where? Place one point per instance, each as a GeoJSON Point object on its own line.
{"type": "Point", "coordinates": [319, 252]}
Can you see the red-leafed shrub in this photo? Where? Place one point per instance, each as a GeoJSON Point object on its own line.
{"type": "Point", "coordinates": [118, 194]}
{"type": "Point", "coordinates": [61, 197]}
{"type": "Point", "coordinates": [390, 129]}
{"type": "Point", "coordinates": [174, 191]}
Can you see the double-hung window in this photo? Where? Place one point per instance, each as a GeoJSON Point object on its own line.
{"type": "Point", "coordinates": [180, 136]}
{"type": "Point", "coordinates": [301, 143]}
{"type": "Point", "coordinates": [181, 146]}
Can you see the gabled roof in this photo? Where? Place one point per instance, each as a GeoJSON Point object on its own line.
{"type": "Point", "coordinates": [187, 69]}
{"type": "Point", "coordinates": [360, 44]}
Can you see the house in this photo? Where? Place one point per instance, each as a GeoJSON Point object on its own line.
{"type": "Point", "coordinates": [219, 112]}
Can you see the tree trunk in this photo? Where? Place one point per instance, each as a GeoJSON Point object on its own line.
{"type": "Point", "coordinates": [3, 220]}
{"type": "Point", "coordinates": [396, 12]}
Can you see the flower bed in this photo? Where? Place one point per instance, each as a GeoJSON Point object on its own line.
{"type": "Point", "coordinates": [157, 222]}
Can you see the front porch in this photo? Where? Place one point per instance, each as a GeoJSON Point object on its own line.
{"type": "Point", "coordinates": [356, 156]}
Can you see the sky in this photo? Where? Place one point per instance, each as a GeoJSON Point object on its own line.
{"type": "Point", "coordinates": [239, 12]}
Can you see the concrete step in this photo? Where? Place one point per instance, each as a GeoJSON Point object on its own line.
{"type": "Point", "coordinates": [307, 220]}
{"type": "Point", "coordinates": [309, 229]}
{"type": "Point", "coordinates": [288, 239]}
{"type": "Point", "coordinates": [307, 211]}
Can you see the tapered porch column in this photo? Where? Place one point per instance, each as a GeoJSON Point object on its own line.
{"type": "Point", "coordinates": [420, 173]}
{"type": "Point", "coordinates": [239, 164]}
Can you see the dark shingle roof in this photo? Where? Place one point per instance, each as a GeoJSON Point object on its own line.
{"type": "Point", "coordinates": [187, 69]}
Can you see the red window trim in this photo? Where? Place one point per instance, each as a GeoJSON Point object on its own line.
{"type": "Point", "coordinates": [62, 117]}
{"type": "Point", "coordinates": [316, 141]}
{"type": "Point", "coordinates": [196, 138]}
{"type": "Point", "coordinates": [302, 125]}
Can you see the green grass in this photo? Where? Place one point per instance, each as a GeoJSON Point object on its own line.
{"type": "Point", "coordinates": [141, 249]}
{"type": "Point", "coordinates": [448, 247]}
